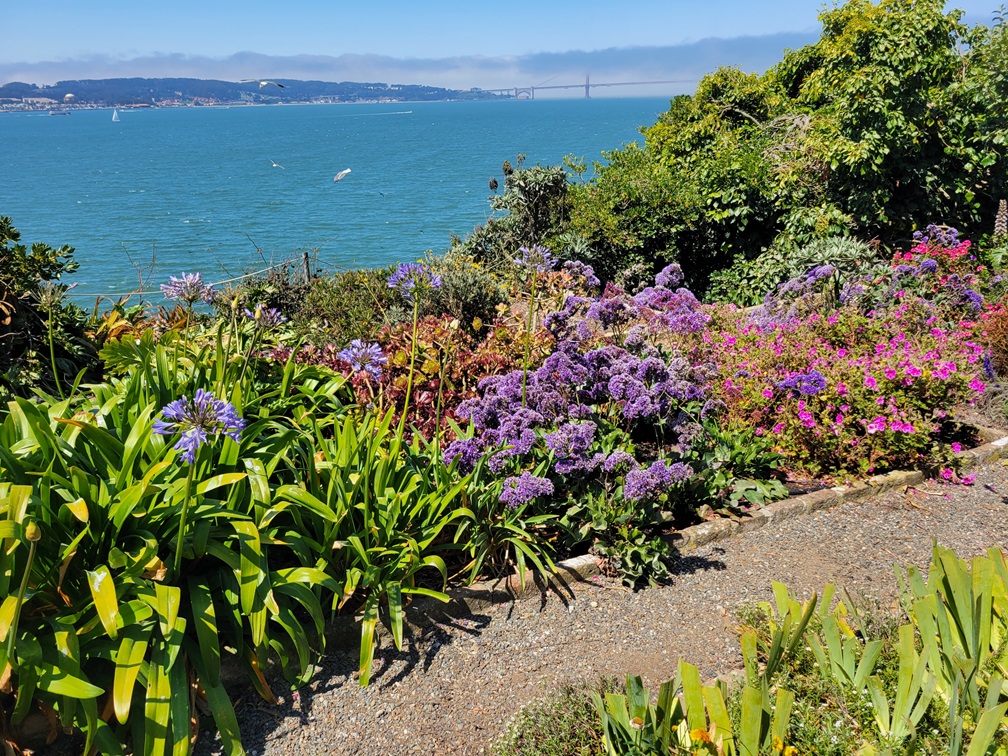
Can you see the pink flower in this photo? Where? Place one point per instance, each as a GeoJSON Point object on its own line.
{"type": "Point", "coordinates": [956, 447]}
{"type": "Point", "coordinates": [977, 385]}
{"type": "Point", "coordinates": [947, 473]}
{"type": "Point", "coordinates": [890, 373]}
{"type": "Point", "coordinates": [870, 382]}
{"type": "Point", "coordinates": [912, 370]}
{"type": "Point", "coordinates": [968, 480]}
{"type": "Point", "coordinates": [877, 425]}
{"type": "Point", "coordinates": [778, 429]}
{"type": "Point", "coordinates": [841, 389]}
{"type": "Point", "coordinates": [807, 420]}
{"type": "Point", "coordinates": [841, 352]}
{"type": "Point", "coordinates": [768, 393]}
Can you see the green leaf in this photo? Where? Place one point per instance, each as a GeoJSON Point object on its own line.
{"type": "Point", "coordinates": [367, 637]}
{"type": "Point", "coordinates": [59, 682]}
{"type": "Point", "coordinates": [205, 621]}
{"type": "Point", "coordinates": [129, 658]}
{"type": "Point", "coordinates": [104, 593]}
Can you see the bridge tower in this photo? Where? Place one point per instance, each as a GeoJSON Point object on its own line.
{"type": "Point", "coordinates": [587, 88]}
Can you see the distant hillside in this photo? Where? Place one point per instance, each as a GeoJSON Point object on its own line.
{"type": "Point", "coordinates": [139, 91]}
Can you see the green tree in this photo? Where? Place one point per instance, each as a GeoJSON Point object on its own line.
{"type": "Point", "coordinates": [892, 120]}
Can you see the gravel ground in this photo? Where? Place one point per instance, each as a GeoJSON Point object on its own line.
{"type": "Point", "coordinates": [462, 676]}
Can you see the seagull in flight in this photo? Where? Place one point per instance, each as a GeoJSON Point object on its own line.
{"type": "Point", "coordinates": [277, 165]}
{"type": "Point", "coordinates": [342, 174]}
{"type": "Point", "coordinates": [263, 82]}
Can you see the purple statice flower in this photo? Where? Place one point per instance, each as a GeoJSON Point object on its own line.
{"type": "Point", "coordinates": [904, 270]}
{"type": "Point", "coordinates": [468, 452]}
{"type": "Point", "coordinates": [536, 258]}
{"type": "Point", "coordinates": [819, 272]}
{"type": "Point", "coordinates": [411, 277]}
{"type": "Point", "coordinates": [808, 383]}
{"type": "Point", "coordinates": [188, 290]}
{"type": "Point", "coordinates": [612, 309]}
{"type": "Point", "coordinates": [619, 460]}
{"type": "Point", "coordinates": [928, 266]}
{"type": "Point", "coordinates": [988, 366]}
{"type": "Point", "coordinates": [558, 323]}
{"type": "Point", "coordinates": [570, 443]}
{"type": "Point", "coordinates": [265, 318]}
{"type": "Point", "coordinates": [670, 277]}
{"type": "Point", "coordinates": [648, 482]}
{"type": "Point", "coordinates": [366, 357]}
{"type": "Point", "coordinates": [579, 269]}
{"type": "Point", "coordinates": [521, 490]}
{"type": "Point", "coordinates": [973, 299]}
{"type": "Point", "coordinates": [196, 420]}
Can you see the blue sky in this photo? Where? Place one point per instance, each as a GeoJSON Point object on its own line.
{"type": "Point", "coordinates": [451, 42]}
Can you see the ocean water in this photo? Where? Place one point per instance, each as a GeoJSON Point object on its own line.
{"type": "Point", "coordinates": [195, 188]}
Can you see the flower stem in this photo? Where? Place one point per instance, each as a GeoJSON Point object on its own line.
{"type": "Point", "coordinates": [528, 335]}
{"type": "Point", "coordinates": [412, 363]}
{"type": "Point", "coordinates": [182, 521]}
{"type": "Point", "coordinates": [52, 357]}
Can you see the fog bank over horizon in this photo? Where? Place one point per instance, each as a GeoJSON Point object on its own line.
{"type": "Point", "coordinates": [684, 64]}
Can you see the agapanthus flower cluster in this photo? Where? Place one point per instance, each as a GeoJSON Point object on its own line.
{"type": "Point", "coordinates": [361, 356]}
{"type": "Point", "coordinates": [189, 289]}
{"type": "Point", "coordinates": [409, 278]}
{"type": "Point", "coordinates": [265, 318]}
{"type": "Point", "coordinates": [537, 258]}
{"type": "Point", "coordinates": [523, 489]}
{"type": "Point", "coordinates": [197, 419]}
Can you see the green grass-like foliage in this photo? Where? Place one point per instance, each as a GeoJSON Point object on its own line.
{"type": "Point", "coordinates": [829, 678]}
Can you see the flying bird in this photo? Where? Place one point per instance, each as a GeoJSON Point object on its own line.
{"type": "Point", "coordinates": [277, 165]}
{"type": "Point", "coordinates": [263, 82]}
{"type": "Point", "coordinates": [342, 174]}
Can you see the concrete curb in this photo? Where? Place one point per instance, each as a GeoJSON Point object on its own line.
{"type": "Point", "coordinates": [694, 536]}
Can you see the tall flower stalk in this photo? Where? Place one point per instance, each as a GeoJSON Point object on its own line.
{"type": "Point", "coordinates": [534, 260]}
{"type": "Point", "coordinates": [411, 280]}
{"type": "Point", "coordinates": [189, 289]}
{"type": "Point", "coordinates": [196, 420]}
{"type": "Point", "coordinates": [32, 534]}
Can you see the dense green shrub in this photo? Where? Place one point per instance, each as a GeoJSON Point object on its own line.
{"type": "Point", "coordinates": [42, 341]}
{"type": "Point", "coordinates": [893, 116]}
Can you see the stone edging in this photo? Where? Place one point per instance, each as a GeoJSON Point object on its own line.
{"type": "Point", "coordinates": [582, 568]}
{"type": "Point", "coordinates": [717, 530]}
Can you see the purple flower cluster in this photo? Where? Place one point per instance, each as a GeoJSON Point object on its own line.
{"type": "Point", "coordinates": [197, 419]}
{"type": "Point", "coordinates": [944, 236]}
{"type": "Point", "coordinates": [468, 451]}
{"type": "Point", "coordinates": [665, 310]}
{"type": "Point", "coordinates": [536, 258]}
{"type": "Point", "coordinates": [265, 318]}
{"type": "Point", "coordinates": [361, 356]}
{"type": "Point", "coordinates": [412, 277]}
{"type": "Point", "coordinates": [581, 270]}
{"type": "Point", "coordinates": [928, 266]}
{"type": "Point", "coordinates": [649, 482]}
{"type": "Point", "coordinates": [973, 299]}
{"type": "Point", "coordinates": [189, 289]}
{"type": "Point", "coordinates": [670, 277]}
{"type": "Point", "coordinates": [571, 445]}
{"type": "Point", "coordinates": [521, 490]}
{"type": "Point", "coordinates": [808, 383]}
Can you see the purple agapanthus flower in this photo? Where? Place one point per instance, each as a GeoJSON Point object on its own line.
{"type": "Point", "coordinates": [265, 318]}
{"type": "Point", "coordinates": [536, 258]}
{"type": "Point", "coordinates": [366, 357]}
{"type": "Point", "coordinates": [521, 490]}
{"type": "Point", "coordinates": [189, 289]}
{"type": "Point", "coordinates": [410, 277]}
{"type": "Point", "coordinates": [197, 419]}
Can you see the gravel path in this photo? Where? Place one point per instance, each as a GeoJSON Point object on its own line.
{"type": "Point", "coordinates": [462, 676]}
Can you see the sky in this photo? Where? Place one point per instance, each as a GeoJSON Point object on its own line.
{"type": "Point", "coordinates": [452, 43]}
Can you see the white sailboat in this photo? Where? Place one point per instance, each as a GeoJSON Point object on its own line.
{"type": "Point", "coordinates": [115, 115]}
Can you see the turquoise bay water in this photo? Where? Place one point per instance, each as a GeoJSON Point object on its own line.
{"type": "Point", "coordinates": [196, 188]}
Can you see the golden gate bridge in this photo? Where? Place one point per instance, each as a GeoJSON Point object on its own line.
{"type": "Point", "coordinates": [528, 93]}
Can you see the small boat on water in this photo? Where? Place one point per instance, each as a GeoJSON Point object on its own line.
{"type": "Point", "coordinates": [115, 115]}
{"type": "Point", "coordinates": [59, 111]}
